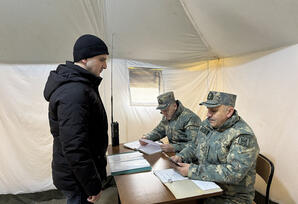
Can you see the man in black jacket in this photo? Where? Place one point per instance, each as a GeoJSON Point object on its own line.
{"type": "Point", "coordinates": [78, 122]}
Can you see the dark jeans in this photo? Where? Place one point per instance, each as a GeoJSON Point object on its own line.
{"type": "Point", "coordinates": [76, 197]}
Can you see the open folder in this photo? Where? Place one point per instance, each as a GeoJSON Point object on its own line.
{"type": "Point", "coordinates": [182, 187]}
{"type": "Point", "coordinates": [150, 148]}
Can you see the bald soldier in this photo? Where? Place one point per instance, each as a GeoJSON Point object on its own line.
{"type": "Point", "coordinates": [179, 124]}
{"type": "Point", "coordinates": [225, 151]}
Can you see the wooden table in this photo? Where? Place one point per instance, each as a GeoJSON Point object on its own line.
{"type": "Point", "coordinates": [145, 187]}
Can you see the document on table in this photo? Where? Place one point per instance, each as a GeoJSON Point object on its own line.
{"type": "Point", "coordinates": [182, 187]}
{"type": "Point", "coordinates": [133, 145]}
{"type": "Point", "coordinates": [205, 185]}
{"type": "Point", "coordinates": [169, 175]}
{"type": "Point", "coordinates": [150, 148]}
{"type": "Point", "coordinates": [125, 163]}
{"type": "Point", "coordinates": [115, 158]}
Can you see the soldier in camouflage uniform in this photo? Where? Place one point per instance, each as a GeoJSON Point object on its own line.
{"type": "Point", "coordinates": [225, 151]}
{"type": "Point", "coordinates": [179, 124]}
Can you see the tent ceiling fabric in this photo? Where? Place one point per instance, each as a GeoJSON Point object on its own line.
{"type": "Point", "coordinates": [169, 32]}
{"type": "Point", "coordinates": [44, 31]}
{"type": "Point", "coordinates": [154, 31]}
{"type": "Point", "coordinates": [234, 27]}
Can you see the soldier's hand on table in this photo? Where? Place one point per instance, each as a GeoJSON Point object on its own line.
{"type": "Point", "coordinates": [183, 170]}
{"type": "Point", "coordinates": [167, 148]}
{"type": "Point", "coordinates": [141, 142]}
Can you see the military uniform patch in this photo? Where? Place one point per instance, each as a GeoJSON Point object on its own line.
{"type": "Point", "coordinates": [244, 140]}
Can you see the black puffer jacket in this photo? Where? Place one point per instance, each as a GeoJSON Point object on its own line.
{"type": "Point", "coordinates": [79, 126]}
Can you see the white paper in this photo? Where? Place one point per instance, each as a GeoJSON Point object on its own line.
{"type": "Point", "coordinates": [129, 165]}
{"type": "Point", "coordinates": [125, 157]}
{"type": "Point", "coordinates": [127, 161]}
{"type": "Point", "coordinates": [150, 148]}
{"type": "Point", "coordinates": [205, 185]}
{"type": "Point", "coordinates": [133, 145]}
{"type": "Point", "coordinates": [150, 142]}
{"type": "Point", "coordinates": [169, 175]}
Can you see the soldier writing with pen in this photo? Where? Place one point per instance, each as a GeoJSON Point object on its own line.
{"type": "Point", "coordinates": [179, 124]}
{"type": "Point", "coordinates": [224, 152]}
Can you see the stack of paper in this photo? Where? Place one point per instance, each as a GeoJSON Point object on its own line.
{"type": "Point", "coordinates": [150, 148]}
{"type": "Point", "coordinates": [126, 163]}
{"type": "Point", "coordinates": [182, 187]}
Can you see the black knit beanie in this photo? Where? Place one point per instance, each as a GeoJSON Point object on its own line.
{"type": "Point", "coordinates": [88, 46]}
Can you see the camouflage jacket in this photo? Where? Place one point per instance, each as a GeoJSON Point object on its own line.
{"type": "Point", "coordinates": [226, 156]}
{"type": "Point", "coordinates": [181, 129]}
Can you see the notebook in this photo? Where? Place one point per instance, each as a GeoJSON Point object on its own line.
{"type": "Point", "coordinates": [125, 163]}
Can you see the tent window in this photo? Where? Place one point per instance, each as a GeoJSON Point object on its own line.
{"type": "Point", "coordinates": [144, 85]}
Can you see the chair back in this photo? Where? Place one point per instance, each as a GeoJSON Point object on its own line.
{"type": "Point", "coordinates": [265, 169]}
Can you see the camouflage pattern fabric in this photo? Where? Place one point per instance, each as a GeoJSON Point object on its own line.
{"type": "Point", "coordinates": [226, 155]}
{"type": "Point", "coordinates": [215, 99]}
{"type": "Point", "coordinates": [180, 130]}
{"type": "Point", "coordinates": [165, 99]}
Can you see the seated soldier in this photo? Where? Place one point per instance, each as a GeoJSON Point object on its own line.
{"type": "Point", "coordinates": [179, 124]}
{"type": "Point", "coordinates": [224, 152]}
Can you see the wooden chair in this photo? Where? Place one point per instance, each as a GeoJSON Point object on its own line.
{"type": "Point", "coordinates": [265, 169]}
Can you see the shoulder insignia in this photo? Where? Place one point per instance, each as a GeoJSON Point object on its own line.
{"type": "Point", "coordinates": [244, 140]}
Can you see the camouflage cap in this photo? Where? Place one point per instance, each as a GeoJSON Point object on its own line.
{"type": "Point", "coordinates": [215, 99]}
{"type": "Point", "coordinates": [165, 99]}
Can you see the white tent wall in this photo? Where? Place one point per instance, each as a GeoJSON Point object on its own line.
{"type": "Point", "coordinates": [26, 144]}
{"type": "Point", "coordinates": [266, 87]}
